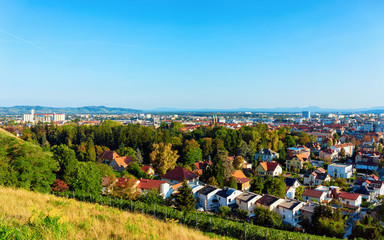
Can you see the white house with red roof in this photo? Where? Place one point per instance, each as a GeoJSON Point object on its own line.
{"type": "Point", "coordinates": [163, 187]}
{"type": "Point", "coordinates": [314, 195]}
{"type": "Point", "coordinates": [178, 174]}
{"type": "Point", "coordinates": [350, 199]}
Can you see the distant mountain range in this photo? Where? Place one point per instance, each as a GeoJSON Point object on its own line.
{"type": "Point", "coordinates": [16, 110]}
{"type": "Point", "coordinates": [275, 110]}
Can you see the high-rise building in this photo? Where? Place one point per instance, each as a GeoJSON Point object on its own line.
{"type": "Point", "coordinates": [49, 117]}
{"type": "Point", "coordinates": [306, 114]}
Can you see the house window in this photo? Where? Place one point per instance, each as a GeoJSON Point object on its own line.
{"type": "Point", "coordinates": [347, 202]}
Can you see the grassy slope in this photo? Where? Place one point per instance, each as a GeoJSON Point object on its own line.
{"type": "Point", "coordinates": [2, 131]}
{"type": "Point", "coordinates": [29, 215]}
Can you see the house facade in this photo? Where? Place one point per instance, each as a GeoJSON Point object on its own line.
{"type": "Point", "coordinates": [266, 155]}
{"type": "Point", "coordinates": [314, 195]}
{"type": "Point", "coordinates": [340, 170]}
{"type": "Point", "coordinates": [272, 169]}
{"type": "Point", "coordinates": [350, 199]}
{"type": "Point", "coordinates": [247, 202]}
{"type": "Point", "coordinates": [206, 198]}
{"type": "Point", "coordinates": [290, 212]}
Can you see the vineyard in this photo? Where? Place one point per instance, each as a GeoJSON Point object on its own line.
{"type": "Point", "coordinates": [200, 221]}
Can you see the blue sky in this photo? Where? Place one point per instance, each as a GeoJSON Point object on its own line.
{"type": "Point", "coordinates": [192, 54]}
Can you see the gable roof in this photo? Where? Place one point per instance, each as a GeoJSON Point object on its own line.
{"type": "Point", "coordinates": [247, 196]}
{"type": "Point", "coordinates": [347, 195]}
{"type": "Point", "coordinates": [290, 182]}
{"type": "Point", "coordinates": [226, 192]}
{"type": "Point", "coordinates": [267, 200]}
{"type": "Point", "coordinates": [289, 204]}
{"type": "Point", "coordinates": [150, 184]}
{"type": "Point", "coordinates": [145, 168]}
{"type": "Point", "coordinates": [179, 174]}
{"type": "Point", "coordinates": [312, 193]}
{"type": "Point", "coordinates": [107, 154]}
{"type": "Point", "coordinates": [269, 166]}
{"type": "Point", "coordinates": [207, 190]}
{"type": "Point", "coordinates": [238, 174]}
{"type": "Point", "coordinates": [123, 161]}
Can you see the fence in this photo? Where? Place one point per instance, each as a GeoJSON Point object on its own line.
{"type": "Point", "coordinates": [199, 221]}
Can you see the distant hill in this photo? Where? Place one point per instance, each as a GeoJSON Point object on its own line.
{"type": "Point", "coordinates": [273, 110]}
{"type": "Point", "coordinates": [17, 110]}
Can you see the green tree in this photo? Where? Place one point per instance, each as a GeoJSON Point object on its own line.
{"type": "Point", "coordinates": [163, 158]}
{"type": "Point", "coordinates": [152, 197]}
{"type": "Point", "coordinates": [139, 157]}
{"type": "Point", "coordinates": [212, 181]}
{"type": "Point", "coordinates": [257, 185]}
{"type": "Point", "coordinates": [267, 218]}
{"type": "Point", "coordinates": [241, 213]}
{"type": "Point", "coordinates": [66, 159]}
{"type": "Point", "coordinates": [86, 178]}
{"type": "Point", "coordinates": [184, 199]}
{"type": "Point", "coordinates": [232, 182]}
{"type": "Point", "coordinates": [224, 211]}
{"type": "Point", "coordinates": [299, 193]}
{"type": "Point", "coordinates": [275, 186]}
{"type": "Point", "coordinates": [238, 162]}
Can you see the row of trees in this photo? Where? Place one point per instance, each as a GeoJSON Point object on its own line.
{"type": "Point", "coordinates": [201, 144]}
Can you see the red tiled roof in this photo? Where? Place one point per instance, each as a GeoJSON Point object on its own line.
{"type": "Point", "coordinates": [107, 154]}
{"type": "Point", "coordinates": [123, 161]}
{"type": "Point", "coordinates": [145, 168]}
{"type": "Point", "coordinates": [179, 174]}
{"type": "Point", "coordinates": [150, 184]}
{"type": "Point", "coordinates": [312, 193]}
{"type": "Point", "coordinates": [347, 195]}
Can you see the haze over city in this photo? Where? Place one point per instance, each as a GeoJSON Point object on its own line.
{"type": "Point", "coordinates": [191, 55]}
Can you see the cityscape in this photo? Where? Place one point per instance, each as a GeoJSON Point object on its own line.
{"type": "Point", "coordinates": [191, 120]}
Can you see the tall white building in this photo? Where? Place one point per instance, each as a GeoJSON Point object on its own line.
{"type": "Point", "coordinates": [306, 114]}
{"type": "Point", "coordinates": [50, 117]}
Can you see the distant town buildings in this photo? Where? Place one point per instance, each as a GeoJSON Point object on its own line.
{"type": "Point", "coordinates": [43, 117]}
{"type": "Point", "coordinates": [306, 114]}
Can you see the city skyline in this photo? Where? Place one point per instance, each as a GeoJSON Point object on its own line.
{"type": "Point", "coordinates": [150, 54]}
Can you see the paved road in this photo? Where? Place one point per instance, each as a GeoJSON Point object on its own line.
{"type": "Point", "coordinates": [351, 222]}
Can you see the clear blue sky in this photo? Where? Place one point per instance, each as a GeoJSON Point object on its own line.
{"type": "Point", "coordinates": [192, 54]}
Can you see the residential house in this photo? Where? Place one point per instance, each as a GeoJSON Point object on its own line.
{"type": "Point", "coordinates": [269, 202]}
{"type": "Point", "coordinates": [340, 170]}
{"type": "Point", "coordinates": [107, 156]}
{"type": "Point", "coordinates": [272, 169]}
{"type": "Point", "coordinates": [247, 202]}
{"type": "Point", "coordinates": [121, 163]}
{"type": "Point", "coordinates": [328, 154]}
{"type": "Point", "coordinates": [350, 200]}
{"type": "Point", "coordinates": [227, 197]}
{"type": "Point", "coordinates": [107, 183]}
{"type": "Point", "coordinates": [243, 183]}
{"type": "Point", "coordinates": [290, 212]}
{"type": "Point", "coordinates": [206, 198]}
{"type": "Point", "coordinates": [307, 210]}
{"type": "Point", "coordinates": [201, 166]}
{"type": "Point", "coordinates": [348, 148]}
{"type": "Point", "coordinates": [178, 174]}
{"type": "Point", "coordinates": [304, 151]}
{"type": "Point", "coordinates": [266, 155]}
{"type": "Point", "coordinates": [313, 146]}
{"type": "Point", "coordinates": [162, 187]}
{"type": "Point", "coordinates": [296, 162]}
{"type": "Point", "coordinates": [291, 185]}
{"type": "Point", "coordinates": [314, 195]}
{"type": "Point", "coordinates": [149, 170]}
{"type": "Point", "coordinates": [314, 178]}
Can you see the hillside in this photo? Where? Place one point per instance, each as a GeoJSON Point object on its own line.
{"type": "Point", "coordinates": [29, 215]}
